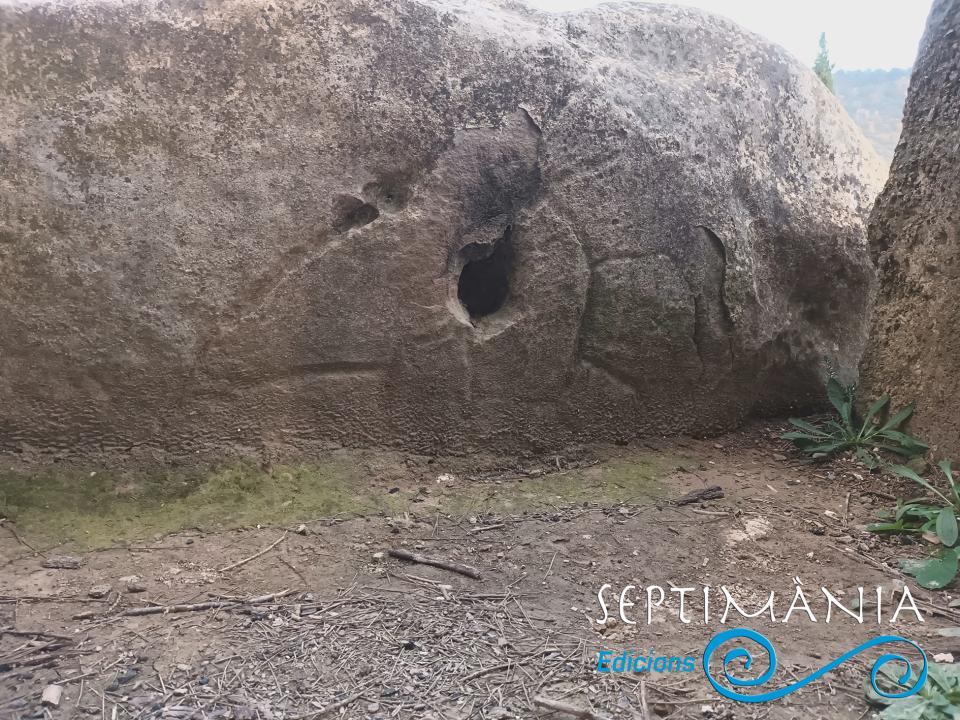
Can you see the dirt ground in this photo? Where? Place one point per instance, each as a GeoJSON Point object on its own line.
{"type": "Point", "coordinates": [349, 631]}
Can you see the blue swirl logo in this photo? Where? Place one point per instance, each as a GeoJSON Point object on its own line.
{"type": "Point", "coordinates": [744, 655]}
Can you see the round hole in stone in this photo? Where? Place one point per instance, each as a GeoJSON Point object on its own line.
{"type": "Point", "coordinates": [484, 281]}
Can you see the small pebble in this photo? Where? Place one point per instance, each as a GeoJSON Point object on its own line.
{"type": "Point", "coordinates": [62, 562]}
{"type": "Point", "coordinates": [127, 675]}
{"type": "Point", "coordinates": [133, 584]}
{"type": "Point", "coordinates": [99, 591]}
{"type": "Point", "coordinates": [51, 695]}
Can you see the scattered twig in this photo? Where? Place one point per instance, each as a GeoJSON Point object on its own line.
{"type": "Point", "coordinates": [879, 494]}
{"type": "Point", "coordinates": [435, 562]}
{"type": "Point", "coordinates": [644, 710]}
{"type": "Point", "coordinates": [35, 634]}
{"type": "Point", "coordinates": [484, 528]}
{"type": "Point", "coordinates": [486, 671]}
{"type": "Point", "coordinates": [6, 523]}
{"type": "Point", "coordinates": [211, 605]}
{"type": "Point", "coordinates": [550, 568]}
{"type": "Point", "coordinates": [332, 707]}
{"type": "Point", "coordinates": [165, 609]}
{"type": "Point", "coordinates": [711, 513]}
{"type": "Point", "coordinates": [267, 549]}
{"type": "Point", "coordinates": [558, 706]}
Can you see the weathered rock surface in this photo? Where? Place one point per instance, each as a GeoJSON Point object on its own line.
{"type": "Point", "coordinates": [914, 350]}
{"type": "Point", "coordinates": [270, 222]}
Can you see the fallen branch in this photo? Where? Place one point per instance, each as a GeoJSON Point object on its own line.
{"type": "Point", "coordinates": [435, 562]}
{"type": "Point", "coordinates": [267, 549]}
{"type": "Point", "coordinates": [215, 604]}
{"type": "Point", "coordinates": [714, 492]}
{"type": "Point", "coordinates": [558, 706]}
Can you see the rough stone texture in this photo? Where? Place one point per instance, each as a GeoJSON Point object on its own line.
{"type": "Point", "coordinates": [914, 350]}
{"type": "Point", "coordinates": [244, 222]}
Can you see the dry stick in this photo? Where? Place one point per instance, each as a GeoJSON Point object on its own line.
{"type": "Point", "coordinates": [547, 574]}
{"type": "Point", "coordinates": [484, 528]}
{"type": "Point", "coordinates": [286, 561]}
{"type": "Point", "coordinates": [443, 564]}
{"type": "Point", "coordinates": [29, 661]}
{"type": "Point", "coordinates": [18, 538]}
{"type": "Point", "coordinates": [882, 495]}
{"type": "Point", "coordinates": [644, 710]}
{"type": "Point", "coordinates": [711, 513]}
{"type": "Point", "coordinates": [333, 707]}
{"type": "Point", "coordinates": [81, 678]}
{"type": "Point", "coordinates": [35, 633]}
{"type": "Point", "coordinates": [164, 609]}
{"type": "Point", "coordinates": [487, 671]}
{"type": "Point", "coordinates": [267, 549]}
{"type": "Point", "coordinates": [563, 707]}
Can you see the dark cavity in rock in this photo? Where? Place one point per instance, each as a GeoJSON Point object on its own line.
{"type": "Point", "coordinates": [485, 278]}
{"type": "Point", "coordinates": [351, 212]}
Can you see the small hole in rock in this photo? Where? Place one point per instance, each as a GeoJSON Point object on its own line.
{"type": "Point", "coordinates": [351, 212]}
{"type": "Point", "coordinates": [485, 279]}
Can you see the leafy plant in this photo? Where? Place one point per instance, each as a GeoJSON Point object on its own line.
{"type": "Point", "coordinates": [938, 699]}
{"type": "Point", "coordinates": [863, 436]}
{"type": "Point", "coordinates": [934, 520]}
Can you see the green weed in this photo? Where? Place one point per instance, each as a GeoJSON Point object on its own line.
{"type": "Point", "coordinates": [932, 519]}
{"type": "Point", "coordinates": [865, 437]}
{"type": "Point", "coordinates": [938, 699]}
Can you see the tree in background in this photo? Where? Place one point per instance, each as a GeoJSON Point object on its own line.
{"type": "Point", "coordinates": [822, 66]}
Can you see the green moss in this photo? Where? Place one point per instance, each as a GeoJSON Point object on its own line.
{"type": "Point", "coordinates": [102, 509]}
{"type": "Point", "coordinates": [99, 510]}
{"type": "Point", "coordinates": [635, 479]}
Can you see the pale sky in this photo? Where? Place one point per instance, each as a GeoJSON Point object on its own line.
{"type": "Point", "coordinates": [861, 34]}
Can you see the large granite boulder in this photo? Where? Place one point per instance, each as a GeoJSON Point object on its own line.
{"type": "Point", "coordinates": [430, 223]}
{"type": "Point", "coordinates": [914, 350]}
